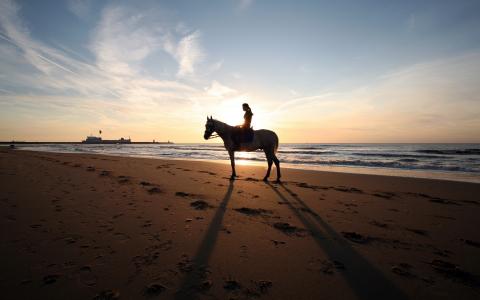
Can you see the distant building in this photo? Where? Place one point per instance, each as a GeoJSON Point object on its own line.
{"type": "Point", "coordinates": [99, 140]}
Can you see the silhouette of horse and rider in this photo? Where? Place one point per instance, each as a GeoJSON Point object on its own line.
{"type": "Point", "coordinates": [244, 138]}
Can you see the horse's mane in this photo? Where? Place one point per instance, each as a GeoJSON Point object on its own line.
{"type": "Point", "coordinates": [222, 123]}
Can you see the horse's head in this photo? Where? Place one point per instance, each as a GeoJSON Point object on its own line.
{"type": "Point", "coordinates": [209, 128]}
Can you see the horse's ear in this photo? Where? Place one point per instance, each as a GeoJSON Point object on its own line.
{"type": "Point", "coordinates": [211, 118]}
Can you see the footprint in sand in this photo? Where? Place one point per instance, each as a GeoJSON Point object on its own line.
{"type": "Point", "coordinates": [123, 179]}
{"type": "Point", "coordinates": [182, 194]}
{"type": "Point", "coordinates": [384, 195]}
{"type": "Point", "coordinates": [232, 285]}
{"type": "Point", "coordinates": [276, 243]}
{"type": "Point", "coordinates": [117, 216]}
{"type": "Point", "coordinates": [50, 279]}
{"type": "Point", "coordinates": [347, 189]}
{"type": "Point", "coordinates": [205, 285]}
{"type": "Point", "coordinates": [435, 199]}
{"type": "Point", "coordinates": [147, 223]}
{"type": "Point", "coordinates": [122, 237]}
{"type": "Point", "coordinates": [454, 272]}
{"type": "Point", "coordinates": [356, 237]}
{"type": "Point", "coordinates": [289, 229]}
{"type": "Point", "coordinates": [87, 277]}
{"type": "Point", "coordinates": [154, 190]}
{"type": "Point", "coordinates": [260, 287]}
{"type": "Point", "coordinates": [330, 266]}
{"type": "Point", "coordinates": [417, 231]}
{"type": "Point", "coordinates": [185, 265]}
{"type": "Point", "coordinates": [252, 211]}
{"type": "Point", "coordinates": [107, 295]}
{"type": "Point", "coordinates": [442, 253]}
{"type": "Point", "coordinates": [105, 173]}
{"type": "Point", "coordinates": [379, 224]}
{"type": "Point", "coordinates": [200, 205]}
{"type": "Point", "coordinates": [403, 269]}
{"type": "Point", "coordinates": [208, 172]}
{"type": "Point", "coordinates": [471, 243]}
{"type": "Point", "coordinates": [154, 289]}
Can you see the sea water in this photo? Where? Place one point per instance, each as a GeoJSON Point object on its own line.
{"type": "Point", "coordinates": [442, 161]}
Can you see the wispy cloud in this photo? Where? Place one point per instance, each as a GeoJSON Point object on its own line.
{"type": "Point", "coordinates": [438, 100]}
{"type": "Point", "coordinates": [244, 4]}
{"type": "Point", "coordinates": [115, 89]}
{"type": "Point", "coordinates": [411, 22]}
{"type": "Point", "coordinates": [218, 90]}
{"type": "Point", "coordinates": [188, 53]}
{"type": "Point", "coordinates": [80, 8]}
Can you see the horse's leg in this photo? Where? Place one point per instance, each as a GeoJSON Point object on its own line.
{"type": "Point", "coordinates": [232, 163]}
{"type": "Point", "coordinates": [269, 161]}
{"type": "Point", "coordinates": [277, 166]}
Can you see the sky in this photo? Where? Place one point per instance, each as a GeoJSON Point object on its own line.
{"type": "Point", "coordinates": [312, 71]}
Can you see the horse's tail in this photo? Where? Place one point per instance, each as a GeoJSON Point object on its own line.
{"type": "Point", "coordinates": [275, 148]}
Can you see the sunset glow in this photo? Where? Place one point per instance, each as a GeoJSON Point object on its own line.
{"type": "Point", "coordinates": [154, 71]}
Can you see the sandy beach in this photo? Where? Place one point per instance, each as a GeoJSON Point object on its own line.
{"type": "Point", "coordinates": [83, 226]}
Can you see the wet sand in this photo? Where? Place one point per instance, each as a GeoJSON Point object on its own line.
{"type": "Point", "coordinates": [81, 226]}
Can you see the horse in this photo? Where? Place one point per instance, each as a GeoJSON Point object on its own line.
{"type": "Point", "coordinates": [263, 139]}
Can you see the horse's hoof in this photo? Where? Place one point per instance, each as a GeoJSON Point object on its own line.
{"type": "Point", "coordinates": [278, 181]}
{"type": "Point", "coordinates": [232, 178]}
{"type": "Point", "coordinates": [265, 179]}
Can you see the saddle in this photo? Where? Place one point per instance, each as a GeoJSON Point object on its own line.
{"type": "Point", "coordinates": [242, 135]}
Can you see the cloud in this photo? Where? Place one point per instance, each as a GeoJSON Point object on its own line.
{"type": "Point", "coordinates": [188, 54]}
{"type": "Point", "coordinates": [436, 101]}
{"type": "Point", "coordinates": [80, 8]}
{"type": "Point", "coordinates": [126, 36]}
{"type": "Point", "coordinates": [122, 40]}
{"type": "Point", "coordinates": [411, 22]}
{"type": "Point", "coordinates": [218, 90]}
{"type": "Point", "coordinates": [45, 84]}
{"type": "Point", "coordinates": [244, 4]}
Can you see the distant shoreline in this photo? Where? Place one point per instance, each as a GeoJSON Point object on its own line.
{"type": "Point", "coordinates": [75, 143]}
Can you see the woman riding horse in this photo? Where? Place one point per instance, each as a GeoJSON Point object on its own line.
{"type": "Point", "coordinates": [247, 117]}
{"type": "Point", "coordinates": [262, 139]}
{"type": "Point", "coordinates": [243, 130]}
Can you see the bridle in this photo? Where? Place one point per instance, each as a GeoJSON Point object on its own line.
{"type": "Point", "coordinates": [212, 135]}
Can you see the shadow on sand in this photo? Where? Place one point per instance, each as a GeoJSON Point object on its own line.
{"type": "Point", "coordinates": [194, 282]}
{"type": "Point", "coordinates": [361, 276]}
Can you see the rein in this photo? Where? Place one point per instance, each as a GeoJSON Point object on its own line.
{"type": "Point", "coordinates": [214, 136]}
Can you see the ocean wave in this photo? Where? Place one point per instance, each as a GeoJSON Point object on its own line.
{"type": "Point", "coordinates": [452, 151]}
{"type": "Point", "coordinates": [309, 148]}
{"type": "Point", "coordinates": [307, 152]}
{"type": "Point", "coordinates": [387, 164]}
{"type": "Point", "coordinates": [199, 149]}
{"type": "Point", "coordinates": [408, 160]}
{"type": "Point", "coordinates": [395, 155]}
